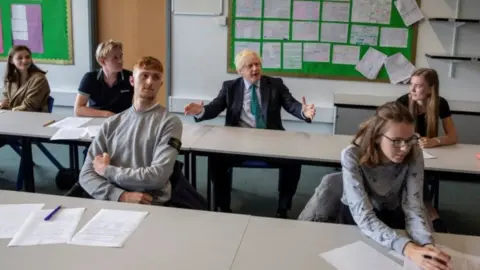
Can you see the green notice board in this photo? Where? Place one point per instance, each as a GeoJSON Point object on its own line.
{"type": "Point", "coordinates": [45, 26]}
{"type": "Point", "coordinates": [318, 38]}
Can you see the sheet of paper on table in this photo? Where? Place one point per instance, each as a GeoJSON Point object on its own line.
{"type": "Point", "coordinates": [58, 230]}
{"type": "Point", "coordinates": [359, 255]}
{"type": "Point", "coordinates": [12, 217]}
{"type": "Point", "coordinates": [109, 228]}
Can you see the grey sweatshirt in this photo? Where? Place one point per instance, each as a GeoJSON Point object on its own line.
{"type": "Point", "coordinates": [389, 186]}
{"type": "Point", "coordinates": [143, 147]}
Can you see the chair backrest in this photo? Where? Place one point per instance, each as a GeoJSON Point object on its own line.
{"type": "Point", "coordinates": [50, 102]}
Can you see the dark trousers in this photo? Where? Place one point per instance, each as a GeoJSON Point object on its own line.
{"type": "Point", "coordinates": [222, 179]}
{"type": "Point", "coordinates": [394, 219]}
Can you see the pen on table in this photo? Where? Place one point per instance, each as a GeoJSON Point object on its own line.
{"type": "Point", "coordinates": [48, 123]}
{"type": "Point", "coordinates": [47, 218]}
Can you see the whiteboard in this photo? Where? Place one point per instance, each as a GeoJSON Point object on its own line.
{"type": "Point", "coordinates": [198, 7]}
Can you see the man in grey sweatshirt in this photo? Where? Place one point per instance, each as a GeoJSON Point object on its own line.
{"type": "Point", "coordinates": [133, 156]}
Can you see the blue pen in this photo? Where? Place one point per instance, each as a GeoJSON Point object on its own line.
{"type": "Point", "coordinates": [47, 218]}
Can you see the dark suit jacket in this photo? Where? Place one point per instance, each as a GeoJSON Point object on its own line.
{"type": "Point", "coordinates": [274, 95]}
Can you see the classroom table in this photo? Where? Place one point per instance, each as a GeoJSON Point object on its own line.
{"type": "Point", "coordinates": [456, 162]}
{"type": "Point", "coordinates": [168, 238]}
{"type": "Point", "coordinates": [351, 109]}
{"type": "Point", "coordinates": [28, 127]}
{"type": "Point", "coordinates": [287, 244]}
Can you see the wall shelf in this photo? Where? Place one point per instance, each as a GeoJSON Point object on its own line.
{"type": "Point", "coordinates": [453, 20]}
{"type": "Point", "coordinates": [454, 57]}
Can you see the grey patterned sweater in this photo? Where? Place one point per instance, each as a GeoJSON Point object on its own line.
{"type": "Point", "coordinates": [386, 187]}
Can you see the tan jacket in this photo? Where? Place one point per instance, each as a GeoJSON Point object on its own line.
{"type": "Point", "coordinates": [32, 96]}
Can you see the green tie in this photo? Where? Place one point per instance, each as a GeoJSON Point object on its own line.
{"type": "Point", "coordinates": [255, 108]}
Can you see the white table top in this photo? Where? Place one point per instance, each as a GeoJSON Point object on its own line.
{"type": "Point", "coordinates": [286, 244]}
{"type": "Point", "coordinates": [273, 143]}
{"type": "Point", "coordinates": [168, 238]}
{"type": "Point", "coordinates": [30, 124]}
{"type": "Point", "coordinates": [303, 146]}
{"type": "Point", "coordinates": [374, 100]}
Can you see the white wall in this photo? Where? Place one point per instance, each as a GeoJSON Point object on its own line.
{"type": "Point", "coordinates": [64, 79]}
{"type": "Point", "coordinates": [199, 49]}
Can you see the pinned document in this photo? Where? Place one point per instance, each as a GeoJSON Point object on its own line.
{"type": "Point", "coordinates": [409, 11]}
{"type": "Point", "coordinates": [399, 69]}
{"type": "Point", "coordinates": [360, 256]}
{"type": "Point", "coordinates": [109, 228]}
{"type": "Point", "coordinates": [371, 63]}
{"type": "Point", "coordinates": [58, 230]}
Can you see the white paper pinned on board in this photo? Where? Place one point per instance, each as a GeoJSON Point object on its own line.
{"type": "Point", "coordinates": [399, 69]}
{"type": "Point", "coordinates": [292, 55]}
{"type": "Point", "coordinates": [347, 55]}
{"type": "Point", "coordinates": [394, 37]}
{"type": "Point", "coordinates": [409, 11]}
{"type": "Point", "coordinates": [371, 63]}
{"type": "Point", "coordinates": [372, 11]}
{"type": "Point", "coordinates": [334, 32]}
{"type": "Point", "coordinates": [336, 12]}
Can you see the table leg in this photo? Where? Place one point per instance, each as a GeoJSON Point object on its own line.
{"type": "Point", "coordinates": [193, 168]}
{"type": "Point", "coordinates": [71, 156]}
{"type": "Point", "coordinates": [26, 165]}
{"type": "Point", "coordinates": [186, 169]}
{"type": "Point", "coordinates": [436, 192]}
{"type": "Point", "coordinates": [209, 185]}
{"type": "Point", "coordinates": [76, 162]}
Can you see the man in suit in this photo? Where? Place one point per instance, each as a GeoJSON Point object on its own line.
{"type": "Point", "coordinates": [253, 101]}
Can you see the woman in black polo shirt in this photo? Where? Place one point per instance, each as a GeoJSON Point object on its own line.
{"type": "Point", "coordinates": [428, 107]}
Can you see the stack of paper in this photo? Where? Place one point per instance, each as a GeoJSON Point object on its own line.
{"type": "Point", "coordinates": [427, 155]}
{"type": "Point", "coordinates": [358, 256]}
{"type": "Point", "coordinates": [109, 228]}
{"type": "Point", "coordinates": [71, 122]}
{"type": "Point", "coordinates": [93, 131]}
{"type": "Point", "coordinates": [69, 134]}
{"type": "Point", "coordinates": [59, 229]}
{"type": "Point", "coordinates": [12, 217]}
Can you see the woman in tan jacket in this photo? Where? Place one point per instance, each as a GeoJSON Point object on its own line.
{"type": "Point", "coordinates": [25, 85]}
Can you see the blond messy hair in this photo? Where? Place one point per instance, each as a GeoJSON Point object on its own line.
{"type": "Point", "coordinates": [241, 57]}
{"type": "Point", "coordinates": [149, 63]}
{"type": "Point", "coordinates": [106, 47]}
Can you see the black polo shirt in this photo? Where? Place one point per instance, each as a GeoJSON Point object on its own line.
{"type": "Point", "coordinates": [421, 122]}
{"type": "Point", "coordinates": [103, 97]}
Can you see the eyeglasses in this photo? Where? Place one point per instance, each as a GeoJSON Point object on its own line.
{"type": "Point", "coordinates": [401, 143]}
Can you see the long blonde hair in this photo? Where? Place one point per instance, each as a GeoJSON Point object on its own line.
{"type": "Point", "coordinates": [432, 106]}
{"type": "Point", "coordinates": [370, 130]}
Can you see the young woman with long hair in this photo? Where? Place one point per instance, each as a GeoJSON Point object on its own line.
{"type": "Point", "coordinates": [382, 172]}
{"type": "Point", "coordinates": [25, 85]}
{"type": "Point", "coordinates": [429, 108]}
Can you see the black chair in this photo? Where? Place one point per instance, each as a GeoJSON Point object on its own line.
{"type": "Point", "coordinates": [184, 194]}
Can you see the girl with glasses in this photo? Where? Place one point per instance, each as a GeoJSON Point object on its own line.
{"type": "Point", "coordinates": [382, 172]}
